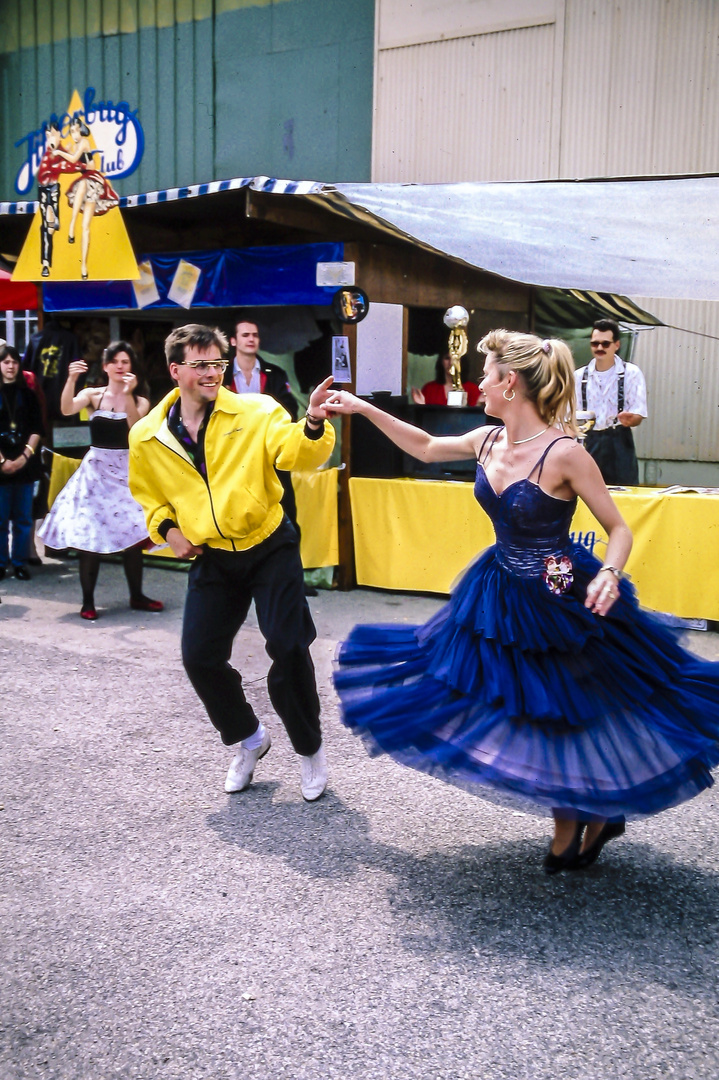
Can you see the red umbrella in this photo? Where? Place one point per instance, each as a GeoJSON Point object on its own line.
{"type": "Point", "coordinates": [17, 295]}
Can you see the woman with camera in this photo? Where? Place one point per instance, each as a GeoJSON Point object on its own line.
{"type": "Point", "coordinates": [21, 429]}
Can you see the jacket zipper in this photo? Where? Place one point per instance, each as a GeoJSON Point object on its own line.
{"type": "Point", "coordinates": [209, 489]}
{"type": "Point", "coordinates": [207, 484]}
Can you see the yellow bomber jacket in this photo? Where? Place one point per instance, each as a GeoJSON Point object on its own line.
{"type": "Point", "coordinates": [238, 507]}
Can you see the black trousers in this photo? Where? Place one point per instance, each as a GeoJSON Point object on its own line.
{"type": "Point", "coordinates": [613, 450]}
{"type": "Point", "coordinates": [221, 586]}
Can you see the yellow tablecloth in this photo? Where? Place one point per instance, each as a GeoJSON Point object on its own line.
{"type": "Point", "coordinates": [316, 495]}
{"type": "Point", "coordinates": [418, 535]}
{"type": "Point", "coordinates": [62, 470]}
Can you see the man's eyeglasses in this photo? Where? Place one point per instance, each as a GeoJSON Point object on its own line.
{"type": "Point", "coordinates": [205, 365]}
{"type": "Point", "coordinates": [601, 344]}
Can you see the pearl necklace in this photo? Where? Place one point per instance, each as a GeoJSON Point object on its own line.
{"type": "Point", "coordinates": [516, 442]}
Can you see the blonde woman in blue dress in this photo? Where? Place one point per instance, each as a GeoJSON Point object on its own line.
{"type": "Point", "coordinates": [541, 681]}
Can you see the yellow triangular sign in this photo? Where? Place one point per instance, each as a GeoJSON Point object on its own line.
{"type": "Point", "coordinates": [78, 232]}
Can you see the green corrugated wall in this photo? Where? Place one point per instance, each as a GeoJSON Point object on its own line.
{"type": "Point", "coordinates": [222, 87]}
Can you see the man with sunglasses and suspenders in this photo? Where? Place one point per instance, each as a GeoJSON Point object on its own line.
{"type": "Point", "coordinates": [616, 393]}
{"type": "Point", "coordinates": [202, 466]}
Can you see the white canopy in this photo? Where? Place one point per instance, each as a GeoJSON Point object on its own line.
{"type": "Point", "coordinates": [650, 237]}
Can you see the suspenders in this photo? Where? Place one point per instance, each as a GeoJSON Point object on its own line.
{"type": "Point", "coordinates": [620, 389]}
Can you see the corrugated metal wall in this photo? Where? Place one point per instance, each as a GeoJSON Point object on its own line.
{"type": "Point", "coordinates": [640, 84]}
{"type": "Point", "coordinates": [682, 372]}
{"type": "Point", "coordinates": [157, 56]}
{"type": "Point", "coordinates": [222, 87]}
{"type": "Point", "coordinates": [618, 88]}
{"type": "Point", "coordinates": [609, 88]}
{"type": "Point", "coordinates": [474, 108]}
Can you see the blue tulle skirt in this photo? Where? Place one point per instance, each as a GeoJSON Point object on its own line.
{"type": "Point", "coordinates": [524, 696]}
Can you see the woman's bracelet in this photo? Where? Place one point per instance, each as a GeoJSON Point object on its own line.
{"type": "Point", "coordinates": [316, 420]}
{"type": "Point", "coordinates": [613, 570]}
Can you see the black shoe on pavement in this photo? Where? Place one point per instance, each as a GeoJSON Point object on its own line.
{"type": "Point", "coordinates": [22, 573]}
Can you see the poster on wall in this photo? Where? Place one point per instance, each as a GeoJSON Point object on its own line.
{"type": "Point", "coordinates": [341, 372]}
{"type": "Point", "coordinates": [77, 233]}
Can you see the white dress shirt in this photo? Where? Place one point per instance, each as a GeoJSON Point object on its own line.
{"type": "Point", "coordinates": [240, 382]}
{"type": "Point", "coordinates": [602, 391]}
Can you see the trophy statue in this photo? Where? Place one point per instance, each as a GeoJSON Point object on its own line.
{"type": "Point", "coordinates": [585, 421]}
{"type": "Point", "coordinates": [456, 318]}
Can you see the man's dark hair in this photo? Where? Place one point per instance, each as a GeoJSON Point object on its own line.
{"type": "Point", "coordinates": [608, 324]}
{"type": "Point", "coordinates": [52, 124]}
{"type": "Point", "coordinates": [241, 319]}
{"type": "Point", "coordinates": [193, 336]}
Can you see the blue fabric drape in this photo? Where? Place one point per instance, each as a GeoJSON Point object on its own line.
{"type": "Point", "coordinates": [231, 277]}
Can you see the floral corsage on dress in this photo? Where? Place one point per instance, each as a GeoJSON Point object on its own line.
{"type": "Point", "coordinates": [558, 574]}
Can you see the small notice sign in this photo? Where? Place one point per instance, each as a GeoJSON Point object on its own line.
{"type": "Point", "coordinates": [335, 274]}
{"type": "Point", "coordinates": [341, 371]}
{"type": "Point", "coordinates": [184, 284]}
{"type": "Point", "coordinates": [146, 288]}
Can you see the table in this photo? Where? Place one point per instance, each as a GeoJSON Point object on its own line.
{"type": "Point", "coordinates": [418, 535]}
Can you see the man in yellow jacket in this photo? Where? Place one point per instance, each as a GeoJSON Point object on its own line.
{"type": "Point", "coordinates": [202, 466]}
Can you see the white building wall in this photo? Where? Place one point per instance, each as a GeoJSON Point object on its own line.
{"type": "Point", "coordinates": [538, 89]}
{"type": "Point", "coordinates": [639, 88]}
{"type": "Point", "coordinates": [475, 106]}
{"type": "Point", "coordinates": [682, 373]}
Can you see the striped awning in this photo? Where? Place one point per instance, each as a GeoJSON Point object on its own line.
{"type": "Point", "coordinates": [193, 191]}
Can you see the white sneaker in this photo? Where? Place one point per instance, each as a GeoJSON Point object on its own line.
{"type": "Point", "coordinates": [239, 774]}
{"type": "Point", "coordinates": [313, 775]}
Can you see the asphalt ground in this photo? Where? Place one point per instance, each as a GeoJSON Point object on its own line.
{"type": "Point", "coordinates": [154, 927]}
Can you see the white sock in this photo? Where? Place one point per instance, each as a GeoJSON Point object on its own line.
{"type": "Point", "coordinates": [252, 742]}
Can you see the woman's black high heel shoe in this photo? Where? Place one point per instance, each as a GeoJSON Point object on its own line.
{"type": "Point", "coordinates": [609, 830]}
{"type": "Point", "coordinates": [568, 859]}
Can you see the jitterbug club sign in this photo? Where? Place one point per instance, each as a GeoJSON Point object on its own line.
{"type": "Point", "coordinates": [116, 131]}
{"type": "Point", "coordinates": [78, 232]}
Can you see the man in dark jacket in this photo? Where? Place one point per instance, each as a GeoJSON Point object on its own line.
{"type": "Point", "coordinates": [250, 374]}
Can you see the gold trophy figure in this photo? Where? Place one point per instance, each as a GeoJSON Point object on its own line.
{"type": "Point", "coordinates": [456, 318]}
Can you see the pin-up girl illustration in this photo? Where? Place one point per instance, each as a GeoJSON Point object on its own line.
{"type": "Point", "coordinates": [91, 193]}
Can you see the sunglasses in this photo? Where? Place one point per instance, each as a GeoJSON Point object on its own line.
{"type": "Point", "coordinates": [204, 365]}
{"type": "Point", "coordinates": [601, 344]}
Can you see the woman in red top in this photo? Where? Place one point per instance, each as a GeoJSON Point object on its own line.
{"type": "Point", "coordinates": [435, 392]}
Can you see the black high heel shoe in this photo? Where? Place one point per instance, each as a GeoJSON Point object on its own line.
{"type": "Point", "coordinates": [568, 859]}
{"type": "Point", "coordinates": [609, 830]}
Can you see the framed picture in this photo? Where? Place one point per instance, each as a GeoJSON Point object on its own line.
{"type": "Point", "coordinates": [341, 371]}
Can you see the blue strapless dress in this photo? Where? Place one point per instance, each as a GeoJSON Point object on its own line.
{"type": "Point", "coordinates": [523, 695]}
